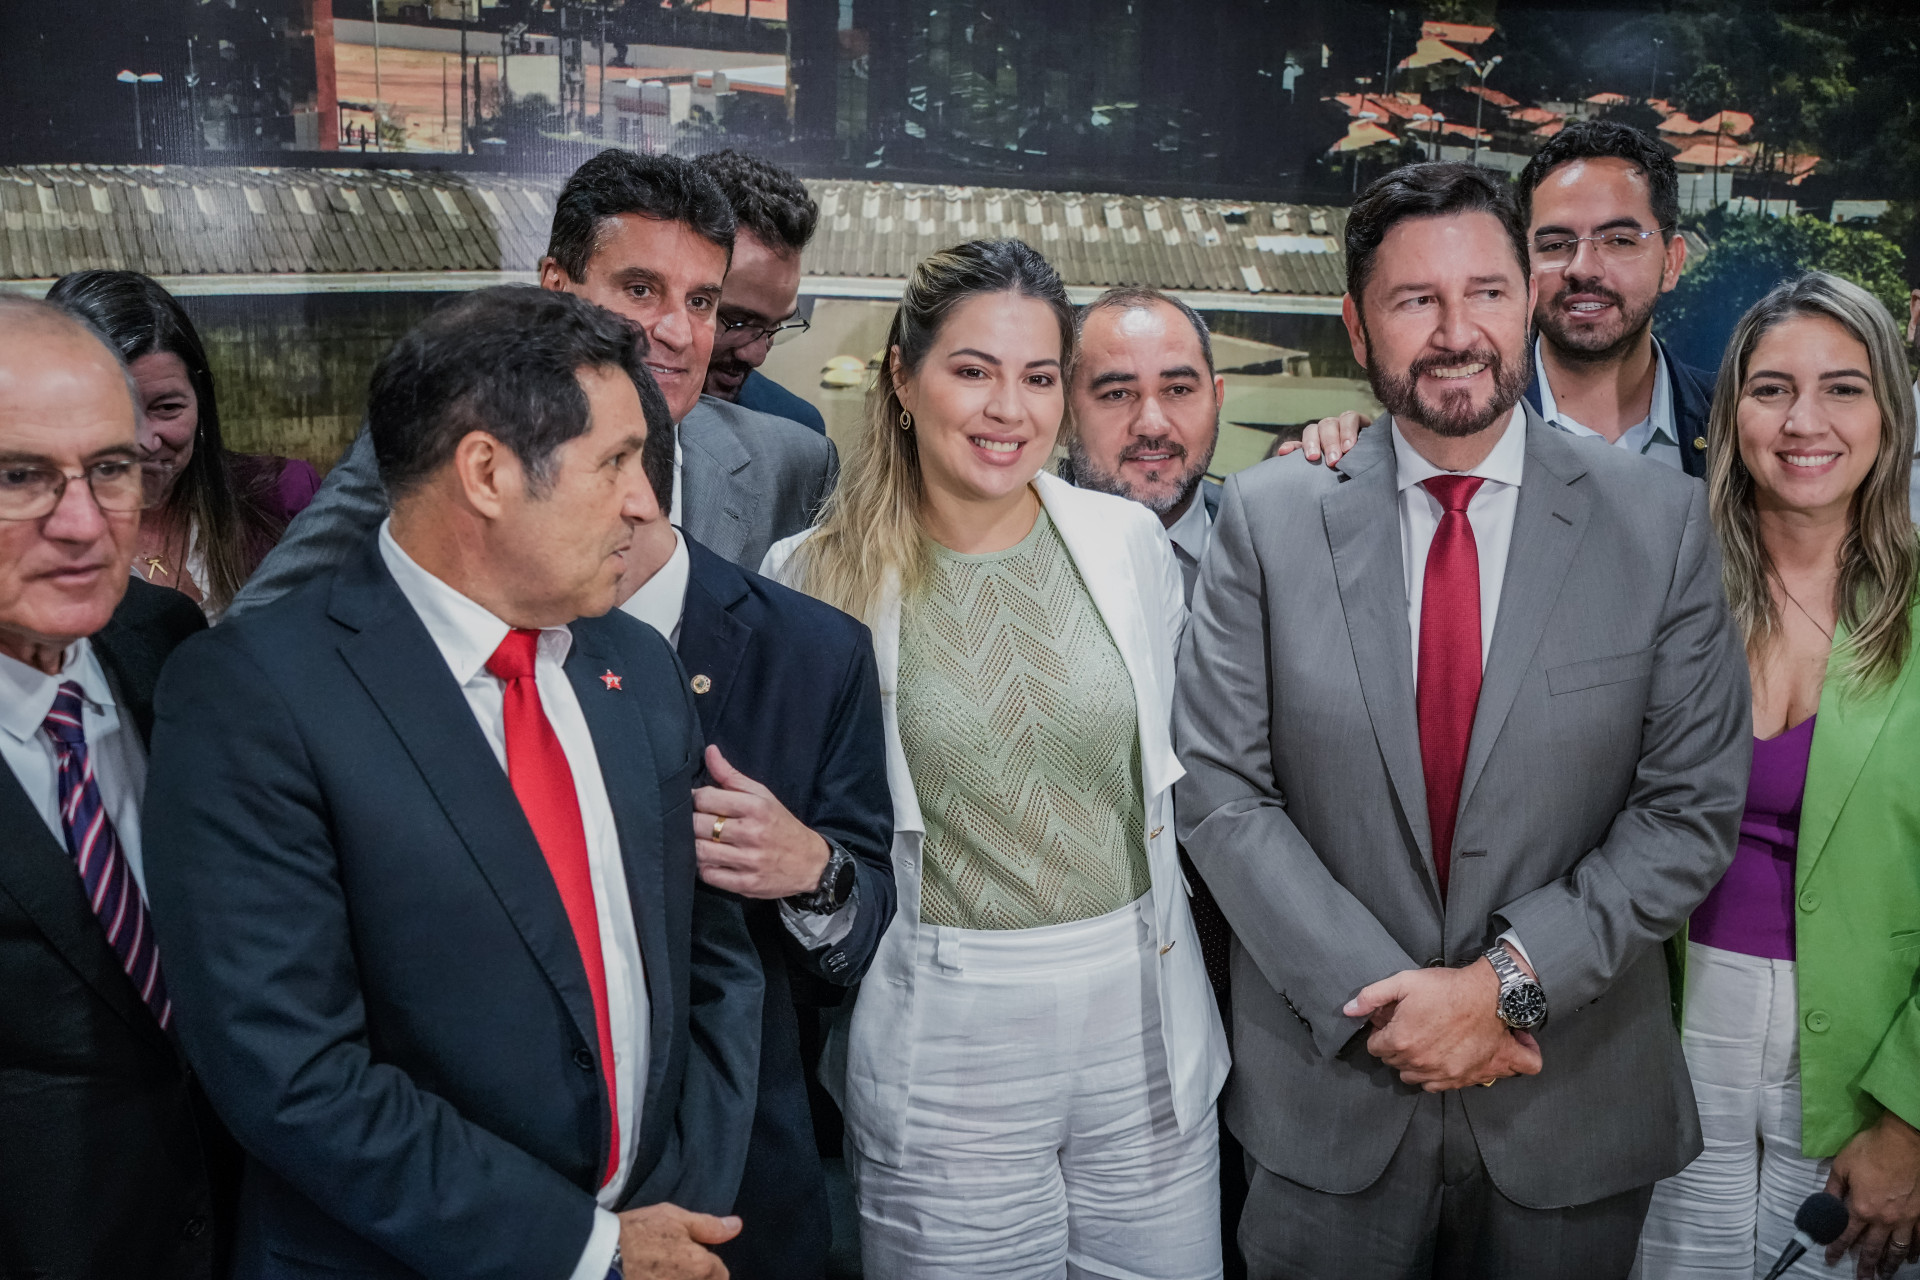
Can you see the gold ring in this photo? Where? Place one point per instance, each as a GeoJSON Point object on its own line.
{"type": "Point", "coordinates": [714, 835]}
{"type": "Point", "coordinates": [1488, 1084]}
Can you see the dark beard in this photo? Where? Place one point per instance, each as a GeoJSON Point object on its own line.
{"type": "Point", "coordinates": [1088, 474]}
{"type": "Point", "coordinates": [1584, 349]}
{"type": "Point", "coordinates": [1454, 416]}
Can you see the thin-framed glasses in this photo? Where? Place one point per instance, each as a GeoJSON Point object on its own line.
{"type": "Point", "coordinates": [29, 491]}
{"type": "Point", "coordinates": [1556, 252]}
{"type": "Point", "coordinates": [751, 329]}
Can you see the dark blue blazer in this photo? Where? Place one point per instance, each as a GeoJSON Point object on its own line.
{"type": "Point", "coordinates": [763, 394]}
{"type": "Point", "coordinates": [373, 971]}
{"type": "Point", "coordinates": [111, 1164]}
{"type": "Point", "coordinates": [794, 703]}
{"type": "Point", "coordinates": [1692, 391]}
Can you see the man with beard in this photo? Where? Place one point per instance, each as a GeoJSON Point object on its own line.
{"type": "Point", "coordinates": [1452, 843]}
{"type": "Point", "coordinates": [1145, 416]}
{"type": "Point", "coordinates": [760, 302]}
{"type": "Point", "coordinates": [1601, 202]}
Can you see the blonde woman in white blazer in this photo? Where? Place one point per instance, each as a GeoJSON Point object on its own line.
{"type": "Point", "coordinates": [1034, 1056]}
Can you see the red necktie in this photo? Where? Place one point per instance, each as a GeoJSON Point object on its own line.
{"type": "Point", "coordinates": [1449, 677]}
{"type": "Point", "coordinates": [542, 780]}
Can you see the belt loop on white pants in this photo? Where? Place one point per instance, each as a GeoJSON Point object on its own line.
{"type": "Point", "coordinates": [946, 948]}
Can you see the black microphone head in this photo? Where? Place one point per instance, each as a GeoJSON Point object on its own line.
{"type": "Point", "coordinates": [1822, 1217]}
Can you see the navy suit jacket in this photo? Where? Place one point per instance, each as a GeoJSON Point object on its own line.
{"type": "Point", "coordinates": [372, 968]}
{"type": "Point", "coordinates": [764, 395]}
{"type": "Point", "coordinates": [1692, 397]}
{"type": "Point", "coordinates": [794, 703]}
{"type": "Point", "coordinates": [110, 1161]}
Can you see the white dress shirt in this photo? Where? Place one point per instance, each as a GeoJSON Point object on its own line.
{"type": "Point", "coordinates": [1190, 535]}
{"type": "Point", "coordinates": [660, 603]}
{"type": "Point", "coordinates": [1490, 513]}
{"type": "Point", "coordinates": [113, 746]}
{"type": "Point", "coordinates": [1654, 436]}
{"type": "Point", "coordinates": [467, 635]}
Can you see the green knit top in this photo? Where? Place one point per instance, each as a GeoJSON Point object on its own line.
{"type": "Point", "coordinates": [1017, 717]}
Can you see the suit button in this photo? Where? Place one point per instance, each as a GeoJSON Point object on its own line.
{"type": "Point", "coordinates": [582, 1059]}
{"type": "Point", "coordinates": [1818, 1021]}
{"type": "Point", "coordinates": [1809, 901]}
{"type": "Point", "coordinates": [193, 1228]}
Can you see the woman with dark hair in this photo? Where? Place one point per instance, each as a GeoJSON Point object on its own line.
{"type": "Point", "coordinates": [1033, 1058]}
{"type": "Point", "coordinates": [213, 515]}
{"type": "Point", "coordinates": [1802, 1018]}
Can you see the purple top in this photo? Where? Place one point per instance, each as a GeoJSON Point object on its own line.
{"type": "Point", "coordinates": [1751, 909]}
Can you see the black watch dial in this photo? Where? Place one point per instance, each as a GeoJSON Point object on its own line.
{"type": "Point", "coordinates": [1523, 1007]}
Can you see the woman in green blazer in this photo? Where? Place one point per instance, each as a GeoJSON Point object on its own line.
{"type": "Point", "coordinates": [1802, 1014]}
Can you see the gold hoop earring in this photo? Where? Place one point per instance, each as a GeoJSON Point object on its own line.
{"type": "Point", "coordinates": [906, 420]}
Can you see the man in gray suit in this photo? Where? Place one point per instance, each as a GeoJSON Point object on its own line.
{"type": "Point", "coordinates": [649, 238]}
{"type": "Point", "coordinates": [1465, 724]}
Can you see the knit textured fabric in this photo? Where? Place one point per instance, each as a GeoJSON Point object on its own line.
{"type": "Point", "coordinates": [1017, 717]}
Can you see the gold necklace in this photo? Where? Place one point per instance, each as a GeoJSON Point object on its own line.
{"type": "Point", "coordinates": [1825, 631]}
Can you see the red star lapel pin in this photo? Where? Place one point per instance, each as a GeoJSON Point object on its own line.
{"type": "Point", "coordinates": [610, 680]}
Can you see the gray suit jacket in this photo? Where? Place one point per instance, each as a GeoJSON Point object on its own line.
{"type": "Point", "coordinates": [1602, 797]}
{"type": "Point", "coordinates": [749, 479]}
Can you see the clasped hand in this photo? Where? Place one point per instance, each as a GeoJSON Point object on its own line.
{"type": "Point", "coordinates": [666, 1242]}
{"type": "Point", "coordinates": [763, 850]}
{"type": "Point", "coordinates": [1440, 1029]}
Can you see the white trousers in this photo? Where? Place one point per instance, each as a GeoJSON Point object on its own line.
{"type": "Point", "coordinates": [1730, 1212]}
{"type": "Point", "coordinates": [1041, 1142]}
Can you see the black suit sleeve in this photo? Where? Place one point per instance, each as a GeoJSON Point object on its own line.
{"type": "Point", "coordinates": [252, 919]}
{"type": "Point", "coordinates": [853, 807]}
{"type": "Point", "coordinates": [725, 990]}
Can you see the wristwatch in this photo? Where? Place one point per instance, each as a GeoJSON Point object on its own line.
{"type": "Point", "coordinates": [836, 885]}
{"type": "Point", "coordinates": [1522, 1005]}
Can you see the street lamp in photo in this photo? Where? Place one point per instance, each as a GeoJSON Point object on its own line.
{"type": "Point", "coordinates": [1481, 69]}
{"type": "Point", "coordinates": [136, 80]}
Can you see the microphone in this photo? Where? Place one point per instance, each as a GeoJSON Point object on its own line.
{"type": "Point", "coordinates": [1822, 1220]}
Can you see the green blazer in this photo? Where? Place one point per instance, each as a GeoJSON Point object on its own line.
{"type": "Point", "coordinates": [1857, 908]}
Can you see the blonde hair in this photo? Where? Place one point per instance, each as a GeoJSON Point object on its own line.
{"type": "Point", "coordinates": [1879, 557]}
{"type": "Point", "coordinates": [870, 530]}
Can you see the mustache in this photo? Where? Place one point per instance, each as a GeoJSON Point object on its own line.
{"type": "Point", "coordinates": [1598, 291]}
{"type": "Point", "coordinates": [1453, 359]}
{"type": "Point", "coordinates": [1164, 444]}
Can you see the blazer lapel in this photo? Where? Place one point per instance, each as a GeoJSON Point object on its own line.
{"type": "Point", "coordinates": [712, 640]}
{"type": "Point", "coordinates": [715, 490]}
{"type": "Point", "coordinates": [1362, 519]}
{"type": "Point", "coordinates": [1843, 738]}
{"type": "Point", "coordinates": [396, 661]}
{"type": "Point", "coordinates": [39, 875]}
{"type": "Point", "coordinates": [1550, 518]}
{"type": "Point", "coordinates": [629, 769]}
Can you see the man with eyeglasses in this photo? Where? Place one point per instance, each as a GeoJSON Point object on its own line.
{"type": "Point", "coordinates": [112, 1162]}
{"type": "Point", "coordinates": [1601, 202]}
{"type": "Point", "coordinates": [760, 301]}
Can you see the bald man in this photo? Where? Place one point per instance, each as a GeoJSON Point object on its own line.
{"type": "Point", "coordinates": [112, 1164]}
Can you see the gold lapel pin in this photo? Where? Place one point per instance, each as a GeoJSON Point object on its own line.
{"type": "Point", "coordinates": [1699, 442]}
{"type": "Point", "coordinates": [701, 684]}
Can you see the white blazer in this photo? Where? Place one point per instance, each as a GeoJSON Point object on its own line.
{"type": "Point", "coordinates": [1124, 558]}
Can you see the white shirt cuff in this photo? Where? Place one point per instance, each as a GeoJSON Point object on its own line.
{"type": "Point", "coordinates": [602, 1243]}
{"type": "Point", "coordinates": [816, 931]}
{"type": "Point", "coordinates": [1512, 939]}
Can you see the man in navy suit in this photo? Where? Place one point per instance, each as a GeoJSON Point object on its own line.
{"type": "Point", "coordinates": [798, 820]}
{"type": "Point", "coordinates": [420, 850]}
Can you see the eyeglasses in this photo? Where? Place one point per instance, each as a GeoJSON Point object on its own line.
{"type": "Point", "coordinates": [1556, 253]}
{"type": "Point", "coordinates": [752, 329]}
{"type": "Point", "coordinates": [28, 492]}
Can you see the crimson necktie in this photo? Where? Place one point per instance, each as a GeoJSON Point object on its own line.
{"type": "Point", "coordinates": [541, 778]}
{"type": "Point", "coordinates": [1449, 676]}
{"type": "Point", "coordinates": [111, 890]}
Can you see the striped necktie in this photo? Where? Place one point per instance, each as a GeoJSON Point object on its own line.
{"type": "Point", "coordinates": [111, 890]}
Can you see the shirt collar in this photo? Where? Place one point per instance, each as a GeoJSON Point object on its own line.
{"type": "Point", "coordinates": [465, 632]}
{"type": "Point", "coordinates": [1655, 428]}
{"type": "Point", "coordinates": [1191, 530]}
{"type": "Point", "coordinates": [1503, 465]}
{"type": "Point", "coordinates": [662, 598]}
{"type": "Point", "coordinates": [27, 693]}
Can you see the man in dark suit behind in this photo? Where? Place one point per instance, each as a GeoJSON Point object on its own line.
{"type": "Point", "coordinates": [799, 821]}
{"type": "Point", "coordinates": [440, 950]}
{"type": "Point", "coordinates": [110, 1161]}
